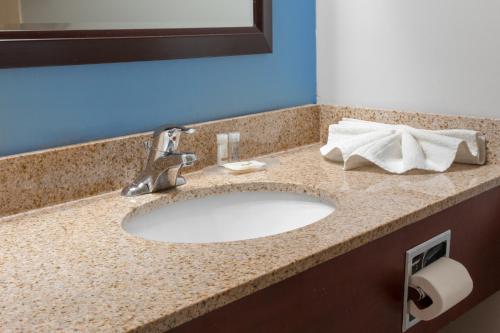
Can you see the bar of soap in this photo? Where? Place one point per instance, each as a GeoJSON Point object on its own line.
{"type": "Point", "coordinates": [246, 166]}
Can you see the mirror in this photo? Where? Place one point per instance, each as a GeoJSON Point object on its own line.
{"type": "Point", "coordinates": [124, 14]}
{"type": "Point", "coordinates": [70, 32]}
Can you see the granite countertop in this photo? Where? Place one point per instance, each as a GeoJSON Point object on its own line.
{"type": "Point", "coordinates": [72, 268]}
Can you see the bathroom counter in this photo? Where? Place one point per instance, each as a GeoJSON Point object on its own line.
{"type": "Point", "coordinates": [72, 268]}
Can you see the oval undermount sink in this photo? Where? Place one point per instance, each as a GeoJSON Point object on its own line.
{"type": "Point", "coordinates": [228, 217]}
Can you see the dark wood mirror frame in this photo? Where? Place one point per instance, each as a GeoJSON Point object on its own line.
{"type": "Point", "coordinates": [73, 47]}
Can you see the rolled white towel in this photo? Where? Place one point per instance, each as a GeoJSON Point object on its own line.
{"type": "Point", "coordinates": [400, 148]}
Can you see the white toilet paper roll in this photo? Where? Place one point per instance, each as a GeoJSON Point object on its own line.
{"type": "Point", "coordinates": [446, 282]}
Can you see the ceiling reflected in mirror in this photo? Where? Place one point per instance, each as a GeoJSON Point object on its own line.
{"type": "Point", "coordinates": [28, 15]}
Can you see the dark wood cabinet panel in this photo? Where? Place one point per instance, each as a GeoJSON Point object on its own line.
{"type": "Point", "coordinates": [362, 291]}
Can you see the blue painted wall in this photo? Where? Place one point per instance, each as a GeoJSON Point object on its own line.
{"type": "Point", "coordinates": [52, 106]}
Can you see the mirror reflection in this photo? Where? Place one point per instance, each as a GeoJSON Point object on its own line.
{"type": "Point", "coordinates": [124, 14]}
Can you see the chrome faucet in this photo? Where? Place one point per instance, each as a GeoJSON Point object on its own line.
{"type": "Point", "coordinates": [164, 162]}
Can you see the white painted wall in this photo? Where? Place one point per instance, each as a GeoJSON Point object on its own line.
{"type": "Point", "coordinates": [439, 56]}
{"type": "Point", "coordinates": [139, 14]}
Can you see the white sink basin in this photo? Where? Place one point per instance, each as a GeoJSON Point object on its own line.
{"type": "Point", "coordinates": [228, 217]}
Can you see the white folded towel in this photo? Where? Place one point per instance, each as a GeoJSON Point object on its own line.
{"type": "Point", "coordinates": [400, 148]}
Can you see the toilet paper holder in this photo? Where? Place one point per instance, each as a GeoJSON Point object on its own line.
{"type": "Point", "coordinates": [417, 258]}
{"type": "Point", "coordinates": [419, 297]}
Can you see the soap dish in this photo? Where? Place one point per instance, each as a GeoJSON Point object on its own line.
{"type": "Point", "coordinates": [235, 168]}
{"type": "Point", "coordinates": [244, 166]}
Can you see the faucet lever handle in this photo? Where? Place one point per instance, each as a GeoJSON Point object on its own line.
{"type": "Point", "coordinates": [173, 129]}
{"type": "Point", "coordinates": [166, 137]}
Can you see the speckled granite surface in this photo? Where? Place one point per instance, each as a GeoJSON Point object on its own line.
{"type": "Point", "coordinates": [71, 268]}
